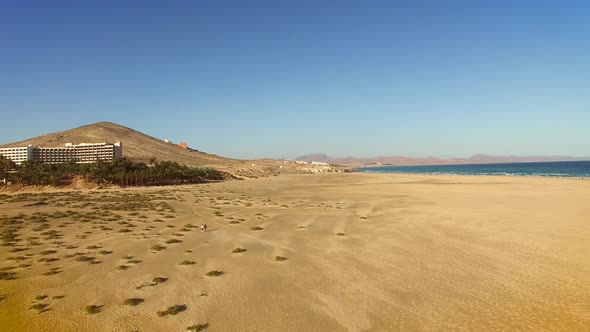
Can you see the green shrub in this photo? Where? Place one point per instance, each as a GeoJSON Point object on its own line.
{"type": "Point", "coordinates": [120, 172]}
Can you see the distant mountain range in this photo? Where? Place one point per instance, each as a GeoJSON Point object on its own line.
{"type": "Point", "coordinates": [408, 161]}
{"type": "Point", "coordinates": [138, 146]}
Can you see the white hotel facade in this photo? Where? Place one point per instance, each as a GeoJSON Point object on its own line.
{"type": "Point", "coordinates": [82, 153]}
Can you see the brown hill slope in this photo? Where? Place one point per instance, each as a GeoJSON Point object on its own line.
{"type": "Point", "coordinates": [138, 146]}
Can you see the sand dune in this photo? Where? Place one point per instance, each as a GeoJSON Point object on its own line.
{"type": "Point", "coordinates": [338, 252]}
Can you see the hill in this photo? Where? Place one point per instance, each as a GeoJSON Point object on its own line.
{"type": "Point", "coordinates": [138, 146]}
{"type": "Point", "coordinates": [409, 161]}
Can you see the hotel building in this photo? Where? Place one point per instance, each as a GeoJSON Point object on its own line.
{"type": "Point", "coordinates": [18, 155]}
{"type": "Point", "coordinates": [82, 153]}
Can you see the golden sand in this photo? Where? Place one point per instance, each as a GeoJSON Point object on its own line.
{"type": "Point", "coordinates": [356, 252]}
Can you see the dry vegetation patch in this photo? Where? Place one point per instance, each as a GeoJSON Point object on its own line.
{"type": "Point", "coordinates": [214, 273]}
{"type": "Point", "coordinates": [158, 247]}
{"type": "Point", "coordinates": [84, 258]}
{"type": "Point", "coordinates": [172, 310]}
{"type": "Point", "coordinates": [93, 309]}
{"type": "Point", "coordinates": [40, 297]}
{"type": "Point", "coordinates": [197, 327]}
{"type": "Point", "coordinates": [186, 262]}
{"type": "Point", "coordinates": [133, 301]}
{"type": "Point", "coordinates": [52, 271]}
{"type": "Point", "coordinates": [40, 307]}
{"type": "Point", "coordinates": [154, 282]}
{"type": "Point", "coordinates": [8, 275]}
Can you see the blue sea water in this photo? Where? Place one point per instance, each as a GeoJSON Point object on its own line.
{"type": "Point", "coordinates": [560, 168]}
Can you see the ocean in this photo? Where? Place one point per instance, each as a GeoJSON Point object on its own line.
{"type": "Point", "coordinates": [560, 169]}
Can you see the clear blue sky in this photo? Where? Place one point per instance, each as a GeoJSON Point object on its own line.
{"type": "Point", "coordinates": [279, 79]}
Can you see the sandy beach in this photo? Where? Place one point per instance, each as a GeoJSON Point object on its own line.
{"type": "Point", "coordinates": [333, 252]}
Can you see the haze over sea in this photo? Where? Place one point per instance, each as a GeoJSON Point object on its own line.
{"type": "Point", "coordinates": [560, 168]}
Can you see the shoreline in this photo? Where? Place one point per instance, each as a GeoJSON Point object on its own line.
{"type": "Point", "coordinates": [471, 164]}
{"type": "Point", "coordinates": [481, 174]}
{"type": "Point", "coordinates": [47, 189]}
{"type": "Point", "coordinates": [565, 169]}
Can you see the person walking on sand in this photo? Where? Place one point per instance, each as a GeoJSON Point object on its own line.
{"type": "Point", "coordinates": [203, 228]}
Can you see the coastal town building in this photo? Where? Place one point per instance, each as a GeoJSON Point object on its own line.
{"type": "Point", "coordinates": [82, 153]}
